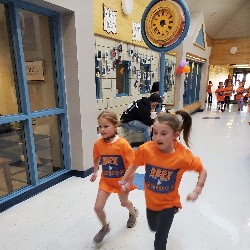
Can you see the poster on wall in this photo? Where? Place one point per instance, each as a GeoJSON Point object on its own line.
{"type": "Point", "coordinates": [136, 30]}
{"type": "Point", "coordinates": [109, 20]}
{"type": "Point", "coordinates": [34, 71]}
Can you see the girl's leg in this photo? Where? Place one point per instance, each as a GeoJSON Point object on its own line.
{"type": "Point", "coordinates": [133, 212]}
{"type": "Point", "coordinates": [152, 217]}
{"type": "Point", "coordinates": [101, 199]}
{"type": "Point", "coordinates": [163, 221]}
{"type": "Point", "coordinates": [241, 104]}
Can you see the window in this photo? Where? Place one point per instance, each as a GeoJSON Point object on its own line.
{"type": "Point", "coordinates": [122, 78]}
{"type": "Point", "coordinates": [33, 123]}
{"type": "Point", "coordinates": [145, 81]}
{"type": "Point", "coordinates": [192, 84]}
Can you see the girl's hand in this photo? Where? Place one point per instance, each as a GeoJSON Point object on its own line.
{"type": "Point", "coordinates": [126, 187]}
{"type": "Point", "coordinates": [192, 196]}
{"type": "Point", "coordinates": [93, 177]}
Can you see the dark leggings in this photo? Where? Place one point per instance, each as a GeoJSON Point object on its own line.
{"type": "Point", "coordinates": [160, 222]}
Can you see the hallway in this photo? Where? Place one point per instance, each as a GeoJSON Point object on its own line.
{"type": "Point", "coordinates": [62, 217]}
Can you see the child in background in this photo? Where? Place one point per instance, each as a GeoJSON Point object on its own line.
{"type": "Point", "coordinates": [228, 93]}
{"type": "Point", "coordinates": [165, 160]}
{"type": "Point", "coordinates": [239, 96]}
{"type": "Point", "coordinates": [209, 91]}
{"type": "Point", "coordinates": [115, 155]}
{"type": "Point", "coordinates": [220, 96]}
{"type": "Point", "coordinates": [248, 98]}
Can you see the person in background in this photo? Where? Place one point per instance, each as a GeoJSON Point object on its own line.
{"type": "Point", "coordinates": [209, 91]}
{"type": "Point", "coordinates": [220, 95]}
{"type": "Point", "coordinates": [239, 96]}
{"type": "Point", "coordinates": [140, 114]}
{"type": "Point", "coordinates": [248, 98]}
{"type": "Point", "coordinates": [228, 93]}
{"type": "Point", "coordinates": [165, 160]}
{"type": "Point", "coordinates": [155, 88]}
{"type": "Point", "coordinates": [115, 155]}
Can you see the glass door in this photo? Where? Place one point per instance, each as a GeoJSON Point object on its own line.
{"type": "Point", "coordinates": [33, 123]}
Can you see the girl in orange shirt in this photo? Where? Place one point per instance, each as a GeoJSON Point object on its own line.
{"type": "Point", "coordinates": [209, 91]}
{"type": "Point", "coordinates": [248, 98]}
{"type": "Point", "coordinates": [228, 93]}
{"type": "Point", "coordinates": [165, 160]}
{"type": "Point", "coordinates": [239, 96]}
{"type": "Point", "coordinates": [220, 95]}
{"type": "Point", "coordinates": [115, 155]}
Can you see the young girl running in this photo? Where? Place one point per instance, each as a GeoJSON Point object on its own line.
{"type": "Point", "coordinates": [239, 96]}
{"type": "Point", "coordinates": [220, 95]}
{"type": "Point", "coordinates": [228, 93]}
{"type": "Point", "coordinates": [115, 155]}
{"type": "Point", "coordinates": [165, 160]}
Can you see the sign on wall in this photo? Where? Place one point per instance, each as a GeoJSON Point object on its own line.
{"type": "Point", "coordinates": [109, 20]}
{"type": "Point", "coordinates": [34, 71]}
{"type": "Point", "coordinates": [137, 32]}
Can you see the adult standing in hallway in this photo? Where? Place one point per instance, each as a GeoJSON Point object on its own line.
{"type": "Point", "coordinates": [139, 115]}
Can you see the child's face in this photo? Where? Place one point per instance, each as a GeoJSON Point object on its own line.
{"type": "Point", "coordinates": [106, 128]}
{"type": "Point", "coordinates": [163, 136]}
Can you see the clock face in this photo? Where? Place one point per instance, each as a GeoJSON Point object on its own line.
{"type": "Point", "coordinates": [164, 23]}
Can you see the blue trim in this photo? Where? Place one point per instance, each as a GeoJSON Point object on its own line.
{"type": "Point", "coordinates": [35, 8]}
{"type": "Point", "coordinates": [97, 79]}
{"type": "Point", "coordinates": [58, 58]}
{"type": "Point", "coordinates": [194, 82]}
{"type": "Point", "coordinates": [200, 38]}
{"type": "Point", "coordinates": [197, 97]}
{"type": "Point", "coordinates": [126, 79]}
{"type": "Point", "coordinates": [147, 81]}
{"type": "Point", "coordinates": [45, 183]}
{"type": "Point", "coordinates": [25, 115]}
{"type": "Point", "coordinates": [188, 98]}
{"type": "Point", "coordinates": [183, 34]}
{"type": "Point", "coordinates": [29, 191]}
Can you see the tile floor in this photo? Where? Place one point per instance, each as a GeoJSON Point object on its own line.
{"type": "Point", "coordinates": [62, 217]}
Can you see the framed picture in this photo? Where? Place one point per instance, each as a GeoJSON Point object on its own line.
{"type": "Point", "coordinates": [34, 71]}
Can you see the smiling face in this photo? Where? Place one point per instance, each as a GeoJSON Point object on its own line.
{"type": "Point", "coordinates": [106, 128]}
{"type": "Point", "coordinates": [164, 136]}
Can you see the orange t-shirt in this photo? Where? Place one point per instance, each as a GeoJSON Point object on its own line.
{"type": "Point", "coordinates": [220, 94]}
{"type": "Point", "coordinates": [239, 93]}
{"type": "Point", "coordinates": [163, 173]}
{"type": "Point", "coordinates": [228, 91]}
{"type": "Point", "coordinates": [209, 88]}
{"type": "Point", "coordinates": [115, 158]}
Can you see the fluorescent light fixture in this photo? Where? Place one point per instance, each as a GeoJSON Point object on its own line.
{"type": "Point", "coordinates": [240, 65]}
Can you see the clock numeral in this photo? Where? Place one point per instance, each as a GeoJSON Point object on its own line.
{"type": "Point", "coordinates": [157, 31]}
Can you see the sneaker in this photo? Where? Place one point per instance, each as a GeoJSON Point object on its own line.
{"type": "Point", "coordinates": [132, 219]}
{"type": "Point", "coordinates": [101, 234]}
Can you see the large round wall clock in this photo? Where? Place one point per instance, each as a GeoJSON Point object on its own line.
{"type": "Point", "coordinates": [164, 22]}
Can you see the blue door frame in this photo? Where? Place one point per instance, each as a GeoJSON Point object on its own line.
{"type": "Point", "coordinates": [13, 19]}
{"type": "Point", "coordinates": [192, 84]}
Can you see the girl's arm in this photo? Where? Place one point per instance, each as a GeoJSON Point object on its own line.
{"type": "Point", "coordinates": [200, 183]}
{"type": "Point", "coordinates": [127, 179]}
{"type": "Point", "coordinates": [96, 168]}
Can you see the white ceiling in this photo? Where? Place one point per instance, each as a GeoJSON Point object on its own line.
{"type": "Point", "coordinates": [223, 18]}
